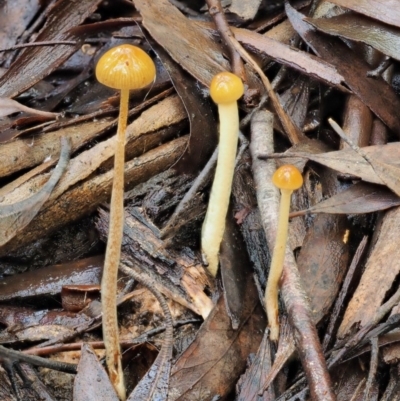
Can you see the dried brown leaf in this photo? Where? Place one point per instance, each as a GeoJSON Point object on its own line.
{"type": "Point", "coordinates": [356, 27]}
{"type": "Point", "coordinates": [91, 382]}
{"type": "Point", "coordinates": [203, 126]}
{"type": "Point", "coordinates": [359, 198]}
{"type": "Point", "coordinates": [381, 271]}
{"type": "Point", "coordinates": [388, 173]}
{"type": "Point", "coordinates": [35, 63]}
{"type": "Point", "coordinates": [347, 161]}
{"type": "Point", "coordinates": [387, 11]}
{"type": "Point", "coordinates": [322, 262]}
{"type": "Point", "coordinates": [251, 382]}
{"type": "Point", "coordinates": [183, 39]}
{"type": "Point", "coordinates": [307, 64]}
{"type": "Point", "coordinates": [212, 363]}
{"type": "Point", "coordinates": [374, 92]}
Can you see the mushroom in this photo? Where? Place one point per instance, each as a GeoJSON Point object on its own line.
{"type": "Point", "coordinates": [287, 178]}
{"type": "Point", "coordinates": [123, 67]}
{"type": "Point", "coordinates": [225, 89]}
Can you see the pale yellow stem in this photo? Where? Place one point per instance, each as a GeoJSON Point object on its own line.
{"type": "Point", "coordinates": [214, 222]}
{"type": "Point", "coordinates": [275, 272]}
{"type": "Point", "coordinates": [113, 254]}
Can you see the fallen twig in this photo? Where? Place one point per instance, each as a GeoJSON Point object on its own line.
{"type": "Point", "coordinates": [216, 11]}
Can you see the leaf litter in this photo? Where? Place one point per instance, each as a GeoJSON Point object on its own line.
{"type": "Point", "coordinates": [235, 326]}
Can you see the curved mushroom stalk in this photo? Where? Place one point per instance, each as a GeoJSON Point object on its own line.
{"type": "Point", "coordinates": [225, 89]}
{"type": "Point", "coordinates": [123, 67]}
{"type": "Point", "coordinates": [287, 178]}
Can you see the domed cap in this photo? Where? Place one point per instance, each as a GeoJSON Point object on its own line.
{"type": "Point", "coordinates": [287, 177]}
{"type": "Point", "coordinates": [125, 67]}
{"type": "Point", "coordinates": [226, 88]}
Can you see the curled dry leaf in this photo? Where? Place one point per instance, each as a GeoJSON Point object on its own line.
{"type": "Point", "coordinates": [10, 106]}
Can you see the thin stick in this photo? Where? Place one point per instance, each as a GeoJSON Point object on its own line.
{"type": "Point", "coordinates": [218, 15]}
{"type": "Point", "coordinates": [13, 356]}
{"type": "Point", "coordinates": [38, 44]}
{"type": "Point", "coordinates": [113, 254]}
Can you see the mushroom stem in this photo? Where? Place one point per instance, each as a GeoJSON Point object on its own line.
{"type": "Point", "coordinates": [278, 257]}
{"type": "Point", "coordinates": [113, 253]}
{"type": "Point", "coordinates": [214, 222]}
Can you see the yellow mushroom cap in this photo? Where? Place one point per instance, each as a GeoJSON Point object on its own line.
{"type": "Point", "coordinates": [287, 177]}
{"type": "Point", "coordinates": [125, 67]}
{"type": "Point", "coordinates": [226, 88]}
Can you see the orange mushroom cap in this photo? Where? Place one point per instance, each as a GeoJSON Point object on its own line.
{"type": "Point", "coordinates": [287, 177]}
{"type": "Point", "coordinates": [226, 87]}
{"type": "Point", "coordinates": [125, 67]}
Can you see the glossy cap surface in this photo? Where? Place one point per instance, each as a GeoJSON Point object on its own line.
{"type": "Point", "coordinates": [287, 177]}
{"type": "Point", "coordinates": [125, 67]}
{"type": "Point", "coordinates": [226, 87]}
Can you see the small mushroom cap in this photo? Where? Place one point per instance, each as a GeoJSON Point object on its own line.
{"type": "Point", "coordinates": [287, 177]}
{"type": "Point", "coordinates": [125, 67]}
{"type": "Point", "coordinates": [226, 88]}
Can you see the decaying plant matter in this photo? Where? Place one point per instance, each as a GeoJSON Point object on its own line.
{"type": "Point", "coordinates": [296, 65]}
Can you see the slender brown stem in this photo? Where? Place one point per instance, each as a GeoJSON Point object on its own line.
{"type": "Point", "coordinates": [40, 44]}
{"type": "Point", "coordinates": [216, 11]}
{"type": "Point", "coordinates": [113, 254]}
